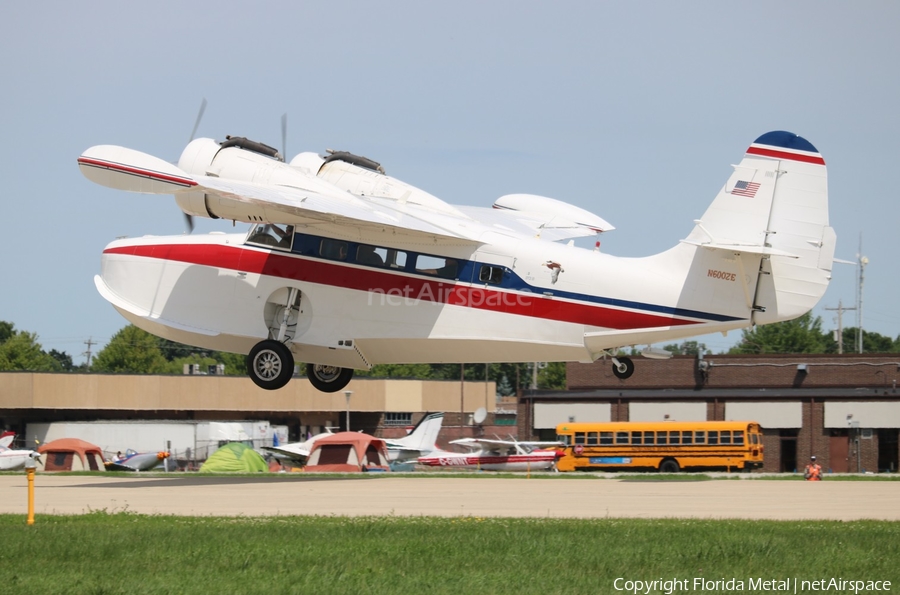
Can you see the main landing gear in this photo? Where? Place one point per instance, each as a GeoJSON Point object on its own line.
{"type": "Point", "coordinates": [271, 365]}
{"type": "Point", "coordinates": [328, 379]}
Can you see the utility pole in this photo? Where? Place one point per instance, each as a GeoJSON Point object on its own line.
{"type": "Point", "coordinates": [840, 320]}
{"type": "Point", "coordinates": [861, 262]}
{"type": "Point", "coordinates": [90, 343]}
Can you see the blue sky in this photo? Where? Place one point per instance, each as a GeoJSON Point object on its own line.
{"type": "Point", "coordinates": [634, 111]}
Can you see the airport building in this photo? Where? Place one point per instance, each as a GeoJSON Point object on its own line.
{"type": "Point", "coordinates": [385, 408]}
{"type": "Point", "coordinates": [845, 409]}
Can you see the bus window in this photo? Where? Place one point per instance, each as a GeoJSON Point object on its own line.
{"type": "Point", "coordinates": [686, 437]}
{"type": "Point", "coordinates": [621, 437]}
{"type": "Point", "coordinates": [754, 438]}
{"type": "Point", "coordinates": [713, 437]}
{"type": "Point", "coordinates": [636, 438]}
{"type": "Point", "coordinates": [739, 437]}
{"type": "Point", "coordinates": [592, 438]}
{"type": "Point", "coordinates": [565, 439]}
{"type": "Point", "coordinates": [606, 438]}
{"type": "Point", "coordinates": [648, 437]}
{"type": "Point", "coordinates": [699, 437]}
{"type": "Point", "coordinates": [675, 437]}
{"type": "Point", "coordinates": [579, 437]}
{"type": "Point", "coordinates": [725, 437]}
{"type": "Point", "coordinates": [662, 438]}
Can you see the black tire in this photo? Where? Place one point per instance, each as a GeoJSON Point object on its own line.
{"type": "Point", "coordinates": [669, 466]}
{"type": "Point", "coordinates": [270, 364]}
{"type": "Point", "coordinates": [627, 364]}
{"type": "Point", "coordinates": [328, 379]}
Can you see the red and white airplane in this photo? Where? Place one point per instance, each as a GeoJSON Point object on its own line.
{"type": "Point", "coordinates": [496, 455]}
{"type": "Point", "coordinates": [345, 267]}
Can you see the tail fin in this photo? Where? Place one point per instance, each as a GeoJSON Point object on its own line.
{"type": "Point", "coordinates": [772, 218]}
{"type": "Point", "coordinates": [424, 436]}
{"type": "Point", "coordinates": [6, 439]}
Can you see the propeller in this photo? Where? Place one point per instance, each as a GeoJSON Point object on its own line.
{"type": "Point", "coordinates": [284, 137]}
{"type": "Point", "coordinates": [189, 219]}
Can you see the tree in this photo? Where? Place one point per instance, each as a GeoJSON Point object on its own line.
{"type": "Point", "coordinates": [133, 351]}
{"type": "Point", "coordinates": [7, 330]}
{"type": "Point", "coordinates": [800, 335]}
{"type": "Point", "coordinates": [872, 342]}
{"type": "Point", "coordinates": [21, 351]}
{"type": "Point", "coordinates": [688, 348]}
{"type": "Point", "coordinates": [64, 360]}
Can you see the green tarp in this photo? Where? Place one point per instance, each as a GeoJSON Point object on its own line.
{"type": "Point", "coordinates": [234, 457]}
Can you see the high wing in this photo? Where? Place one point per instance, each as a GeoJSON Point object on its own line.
{"type": "Point", "coordinates": [238, 184]}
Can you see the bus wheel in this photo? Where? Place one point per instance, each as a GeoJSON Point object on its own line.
{"type": "Point", "coordinates": [669, 466]}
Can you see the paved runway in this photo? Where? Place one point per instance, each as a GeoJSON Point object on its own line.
{"type": "Point", "coordinates": [556, 497]}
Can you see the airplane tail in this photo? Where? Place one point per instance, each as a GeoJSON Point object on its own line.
{"type": "Point", "coordinates": [424, 435]}
{"type": "Point", "coordinates": [764, 245]}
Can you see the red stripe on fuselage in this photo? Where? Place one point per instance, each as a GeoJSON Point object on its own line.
{"type": "Point", "coordinates": [398, 286]}
{"type": "Point", "coordinates": [767, 152]}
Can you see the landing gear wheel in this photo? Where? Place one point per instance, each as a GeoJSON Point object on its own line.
{"type": "Point", "coordinates": [669, 466]}
{"type": "Point", "coordinates": [328, 379]}
{"type": "Point", "coordinates": [270, 364]}
{"type": "Point", "coordinates": [624, 368]}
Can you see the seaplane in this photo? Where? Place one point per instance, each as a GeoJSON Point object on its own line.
{"type": "Point", "coordinates": [497, 455]}
{"type": "Point", "coordinates": [13, 459]}
{"type": "Point", "coordinates": [345, 267]}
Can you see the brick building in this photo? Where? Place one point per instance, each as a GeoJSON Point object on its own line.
{"type": "Point", "coordinates": [844, 409]}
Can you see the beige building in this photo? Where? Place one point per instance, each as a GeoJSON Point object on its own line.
{"type": "Point", "coordinates": [381, 407]}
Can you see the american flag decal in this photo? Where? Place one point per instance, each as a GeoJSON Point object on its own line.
{"type": "Point", "coordinates": [747, 189]}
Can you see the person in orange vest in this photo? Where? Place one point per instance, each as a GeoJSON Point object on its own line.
{"type": "Point", "coordinates": [813, 470]}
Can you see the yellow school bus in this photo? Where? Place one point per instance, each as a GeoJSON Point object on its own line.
{"type": "Point", "coordinates": [668, 446]}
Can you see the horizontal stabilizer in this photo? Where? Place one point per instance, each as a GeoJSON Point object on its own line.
{"type": "Point", "coordinates": [133, 171]}
{"type": "Point", "coordinates": [742, 248]}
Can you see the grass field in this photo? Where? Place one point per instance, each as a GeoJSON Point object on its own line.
{"type": "Point", "coordinates": [102, 553]}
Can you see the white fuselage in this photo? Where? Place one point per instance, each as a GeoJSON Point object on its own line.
{"type": "Point", "coordinates": [219, 292]}
{"type": "Point", "coordinates": [536, 460]}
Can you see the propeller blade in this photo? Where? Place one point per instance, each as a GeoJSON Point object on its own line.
{"type": "Point", "coordinates": [189, 222]}
{"type": "Point", "coordinates": [199, 117]}
{"type": "Point", "coordinates": [284, 136]}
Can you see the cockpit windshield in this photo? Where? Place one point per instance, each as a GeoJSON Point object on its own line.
{"type": "Point", "coordinates": [268, 234]}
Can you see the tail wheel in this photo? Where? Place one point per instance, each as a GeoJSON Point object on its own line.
{"type": "Point", "coordinates": [270, 364]}
{"type": "Point", "coordinates": [623, 367]}
{"type": "Point", "coordinates": [328, 379]}
{"type": "Point", "coordinates": [669, 466]}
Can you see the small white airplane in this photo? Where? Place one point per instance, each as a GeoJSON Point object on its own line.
{"type": "Point", "coordinates": [401, 451]}
{"type": "Point", "coordinates": [10, 459]}
{"type": "Point", "coordinates": [497, 455]}
{"type": "Point", "coordinates": [346, 267]}
{"type": "Point", "coordinates": [137, 461]}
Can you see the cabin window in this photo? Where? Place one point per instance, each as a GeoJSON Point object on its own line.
{"type": "Point", "coordinates": [274, 236]}
{"type": "Point", "coordinates": [380, 257]}
{"type": "Point", "coordinates": [490, 274]}
{"type": "Point", "coordinates": [333, 249]}
{"type": "Point", "coordinates": [606, 438]}
{"type": "Point", "coordinates": [437, 265]}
